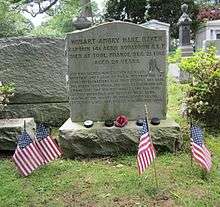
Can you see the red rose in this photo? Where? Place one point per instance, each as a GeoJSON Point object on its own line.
{"type": "Point", "coordinates": [121, 121]}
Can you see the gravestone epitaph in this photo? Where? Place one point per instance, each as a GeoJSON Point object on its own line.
{"type": "Point", "coordinates": [116, 68]}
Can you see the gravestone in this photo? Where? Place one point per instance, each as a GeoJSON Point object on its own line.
{"type": "Point", "coordinates": [157, 25]}
{"type": "Point", "coordinates": [184, 24]}
{"type": "Point", "coordinates": [37, 67]}
{"type": "Point", "coordinates": [11, 128]}
{"type": "Point", "coordinates": [186, 47]}
{"type": "Point", "coordinates": [115, 68]}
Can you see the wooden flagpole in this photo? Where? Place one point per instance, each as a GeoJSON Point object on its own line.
{"type": "Point", "coordinates": [154, 165]}
{"type": "Point", "coordinates": [190, 124]}
{"type": "Point", "coordinates": [24, 125]}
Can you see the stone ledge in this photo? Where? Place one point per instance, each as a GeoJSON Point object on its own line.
{"type": "Point", "coordinates": [53, 114]}
{"type": "Point", "coordinates": [11, 128]}
{"type": "Point", "coordinates": [76, 140]}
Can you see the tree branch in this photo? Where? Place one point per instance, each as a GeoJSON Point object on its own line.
{"type": "Point", "coordinates": [41, 9]}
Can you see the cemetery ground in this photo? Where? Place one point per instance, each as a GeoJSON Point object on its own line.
{"type": "Point", "coordinates": [115, 181]}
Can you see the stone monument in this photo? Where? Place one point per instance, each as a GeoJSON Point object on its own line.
{"type": "Point", "coordinates": [113, 69]}
{"type": "Point", "coordinates": [184, 38]}
{"type": "Point", "coordinates": [82, 21]}
{"type": "Point", "coordinates": [184, 32]}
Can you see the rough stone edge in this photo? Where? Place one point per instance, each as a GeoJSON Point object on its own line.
{"type": "Point", "coordinates": [13, 128]}
{"type": "Point", "coordinates": [175, 145]}
{"type": "Point", "coordinates": [52, 114]}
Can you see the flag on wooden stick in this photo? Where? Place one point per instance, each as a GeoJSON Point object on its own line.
{"type": "Point", "coordinates": [146, 152]}
{"type": "Point", "coordinates": [200, 153]}
{"type": "Point", "coordinates": [47, 146]}
{"type": "Point", "coordinates": [27, 157]}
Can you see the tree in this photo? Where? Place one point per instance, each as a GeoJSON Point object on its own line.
{"type": "Point", "coordinates": [162, 10]}
{"type": "Point", "coordinates": [12, 23]}
{"type": "Point", "coordinates": [126, 9]}
{"type": "Point", "coordinates": [170, 12]}
{"type": "Point", "coordinates": [34, 7]}
{"type": "Point", "coordinates": [61, 22]}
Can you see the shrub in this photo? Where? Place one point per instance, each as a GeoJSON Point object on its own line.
{"type": "Point", "coordinates": [203, 96]}
{"type": "Point", "coordinates": [6, 91]}
{"type": "Point", "coordinates": [175, 56]}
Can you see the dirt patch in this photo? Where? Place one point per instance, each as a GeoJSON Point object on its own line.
{"type": "Point", "coordinates": [164, 200]}
{"type": "Point", "coordinates": [126, 202]}
{"type": "Point", "coordinates": [198, 192]}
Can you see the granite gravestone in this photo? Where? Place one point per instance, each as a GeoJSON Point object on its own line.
{"type": "Point", "coordinates": [116, 68]}
{"type": "Point", "coordinates": [37, 67]}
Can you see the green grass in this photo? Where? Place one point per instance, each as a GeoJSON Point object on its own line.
{"type": "Point", "coordinates": [112, 182]}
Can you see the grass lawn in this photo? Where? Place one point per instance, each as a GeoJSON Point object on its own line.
{"type": "Point", "coordinates": [112, 182]}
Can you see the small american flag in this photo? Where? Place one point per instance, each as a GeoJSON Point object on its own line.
{"type": "Point", "coordinates": [146, 152]}
{"type": "Point", "coordinates": [27, 156]}
{"type": "Point", "coordinates": [200, 153]}
{"type": "Point", "coordinates": [47, 146]}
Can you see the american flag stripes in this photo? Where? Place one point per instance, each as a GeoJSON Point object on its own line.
{"type": "Point", "coordinates": [46, 144]}
{"type": "Point", "coordinates": [146, 152]}
{"type": "Point", "coordinates": [27, 157]}
{"type": "Point", "coordinates": [200, 153]}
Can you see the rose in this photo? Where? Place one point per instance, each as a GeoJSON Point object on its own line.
{"type": "Point", "coordinates": [121, 121]}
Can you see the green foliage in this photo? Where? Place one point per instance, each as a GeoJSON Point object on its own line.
{"type": "Point", "coordinates": [165, 11]}
{"type": "Point", "coordinates": [6, 92]}
{"type": "Point", "coordinates": [12, 23]}
{"type": "Point", "coordinates": [135, 10]}
{"type": "Point", "coordinates": [170, 12]}
{"type": "Point", "coordinates": [204, 93]}
{"type": "Point", "coordinates": [175, 57]}
{"type": "Point", "coordinates": [113, 182]}
{"type": "Point", "coordinates": [61, 22]}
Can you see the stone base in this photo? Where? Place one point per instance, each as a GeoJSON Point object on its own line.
{"type": "Point", "coordinates": [76, 140]}
{"type": "Point", "coordinates": [186, 51]}
{"type": "Point", "coordinates": [11, 128]}
{"type": "Point", "coordinates": [53, 114]}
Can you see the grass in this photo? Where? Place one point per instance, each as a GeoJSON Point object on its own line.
{"type": "Point", "coordinates": [109, 182]}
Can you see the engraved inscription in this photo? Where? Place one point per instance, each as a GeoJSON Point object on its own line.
{"type": "Point", "coordinates": [116, 87]}
{"type": "Point", "coordinates": [117, 50]}
{"type": "Point", "coordinates": [114, 69]}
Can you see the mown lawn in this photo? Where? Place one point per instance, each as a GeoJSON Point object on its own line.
{"type": "Point", "coordinates": [109, 182]}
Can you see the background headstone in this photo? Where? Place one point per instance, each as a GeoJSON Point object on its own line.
{"type": "Point", "coordinates": [184, 24]}
{"type": "Point", "coordinates": [37, 67]}
{"type": "Point", "coordinates": [157, 25]}
{"type": "Point", "coordinates": [116, 68]}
